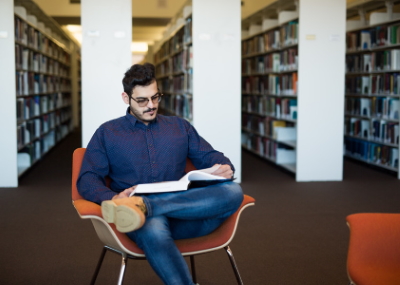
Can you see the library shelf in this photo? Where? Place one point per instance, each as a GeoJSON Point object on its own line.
{"type": "Point", "coordinates": [43, 86]}
{"type": "Point", "coordinates": [174, 70]}
{"type": "Point", "coordinates": [355, 157]}
{"type": "Point", "coordinates": [269, 91]}
{"type": "Point", "coordinates": [372, 93]}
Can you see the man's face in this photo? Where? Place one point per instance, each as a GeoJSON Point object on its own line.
{"type": "Point", "coordinates": [148, 112]}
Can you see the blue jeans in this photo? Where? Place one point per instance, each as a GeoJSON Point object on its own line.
{"type": "Point", "coordinates": [180, 215]}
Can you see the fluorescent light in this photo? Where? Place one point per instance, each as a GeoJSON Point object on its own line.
{"type": "Point", "coordinates": [74, 28]}
{"type": "Point", "coordinates": [139, 47]}
{"type": "Point", "coordinates": [75, 31]}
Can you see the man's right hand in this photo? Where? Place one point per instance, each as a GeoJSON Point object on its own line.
{"type": "Point", "coordinates": [124, 194]}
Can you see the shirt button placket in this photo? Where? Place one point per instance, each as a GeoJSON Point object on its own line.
{"type": "Point", "coordinates": [150, 146]}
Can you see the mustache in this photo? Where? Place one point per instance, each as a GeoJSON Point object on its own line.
{"type": "Point", "coordinates": [150, 110]}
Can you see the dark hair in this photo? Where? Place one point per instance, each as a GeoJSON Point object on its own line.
{"type": "Point", "coordinates": [142, 75]}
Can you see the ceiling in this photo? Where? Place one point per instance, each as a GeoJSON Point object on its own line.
{"type": "Point", "coordinates": [150, 17]}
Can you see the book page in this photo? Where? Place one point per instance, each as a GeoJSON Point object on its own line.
{"type": "Point", "coordinates": [181, 184]}
{"type": "Point", "coordinates": [202, 174]}
{"type": "Point", "coordinates": [168, 186]}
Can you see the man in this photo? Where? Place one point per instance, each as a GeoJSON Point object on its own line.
{"type": "Point", "coordinates": [144, 147]}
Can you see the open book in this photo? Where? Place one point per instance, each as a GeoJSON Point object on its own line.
{"type": "Point", "coordinates": [195, 178]}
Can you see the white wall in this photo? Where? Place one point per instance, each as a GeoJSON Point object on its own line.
{"type": "Point", "coordinates": [217, 75]}
{"type": "Point", "coordinates": [321, 90]}
{"type": "Point", "coordinates": [8, 116]}
{"type": "Point", "coordinates": [106, 56]}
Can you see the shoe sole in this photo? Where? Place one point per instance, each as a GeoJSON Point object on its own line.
{"type": "Point", "coordinates": [125, 218]}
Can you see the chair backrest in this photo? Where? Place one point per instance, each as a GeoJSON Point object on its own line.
{"type": "Point", "coordinates": [374, 250]}
{"type": "Point", "coordinates": [77, 159]}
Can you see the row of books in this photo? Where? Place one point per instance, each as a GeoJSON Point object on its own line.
{"type": "Point", "coordinates": [183, 60]}
{"type": "Point", "coordinates": [270, 127]}
{"type": "Point", "coordinates": [187, 31]}
{"type": "Point", "coordinates": [279, 85]}
{"type": "Point", "coordinates": [374, 130]}
{"type": "Point", "coordinates": [177, 105]}
{"type": "Point", "coordinates": [289, 33]}
{"type": "Point", "coordinates": [380, 36]}
{"type": "Point", "coordinates": [386, 60]}
{"type": "Point", "coordinates": [284, 36]}
{"type": "Point", "coordinates": [281, 108]}
{"type": "Point", "coordinates": [34, 106]}
{"type": "Point", "coordinates": [178, 84]}
{"type": "Point", "coordinates": [373, 153]}
{"type": "Point", "coordinates": [379, 84]}
{"type": "Point", "coordinates": [376, 107]}
{"type": "Point", "coordinates": [175, 43]}
{"type": "Point", "coordinates": [37, 148]}
{"type": "Point", "coordinates": [164, 68]}
{"type": "Point", "coordinates": [31, 130]}
{"type": "Point", "coordinates": [286, 60]}
{"type": "Point", "coordinates": [268, 41]}
{"type": "Point", "coordinates": [35, 39]}
{"type": "Point", "coordinates": [268, 148]}
{"type": "Point", "coordinates": [33, 61]}
{"type": "Point", "coordinates": [28, 83]}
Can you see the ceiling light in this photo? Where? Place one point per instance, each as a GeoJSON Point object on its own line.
{"type": "Point", "coordinates": [139, 47]}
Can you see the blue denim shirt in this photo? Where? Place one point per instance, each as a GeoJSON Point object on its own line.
{"type": "Point", "coordinates": [130, 153]}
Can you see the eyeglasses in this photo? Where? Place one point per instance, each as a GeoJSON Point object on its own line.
{"type": "Point", "coordinates": [142, 102]}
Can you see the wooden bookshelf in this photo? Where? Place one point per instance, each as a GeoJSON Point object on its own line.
{"type": "Point", "coordinates": [373, 91]}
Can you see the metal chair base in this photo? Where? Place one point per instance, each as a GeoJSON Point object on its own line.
{"type": "Point", "coordinates": [125, 258]}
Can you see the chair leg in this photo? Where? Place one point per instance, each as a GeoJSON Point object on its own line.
{"type": "Point", "coordinates": [193, 268]}
{"type": "Point", "coordinates": [96, 272]}
{"type": "Point", "coordinates": [122, 270]}
{"type": "Point", "coordinates": [234, 266]}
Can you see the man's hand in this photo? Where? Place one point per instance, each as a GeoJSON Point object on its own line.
{"type": "Point", "coordinates": [125, 193]}
{"type": "Point", "coordinates": [224, 170]}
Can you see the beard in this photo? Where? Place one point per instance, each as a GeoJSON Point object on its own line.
{"type": "Point", "coordinates": [140, 115]}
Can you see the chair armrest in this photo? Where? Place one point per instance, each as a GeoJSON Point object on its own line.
{"type": "Point", "coordinates": [87, 208]}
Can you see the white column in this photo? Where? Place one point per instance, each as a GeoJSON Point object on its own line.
{"type": "Point", "coordinates": [217, 76]}
{"type": "Point", "coordinates": [321, 90]}
{"type": "Point", "coordinates": [8, 116]}
{"type": "Point", "coordinates": [106, 56]}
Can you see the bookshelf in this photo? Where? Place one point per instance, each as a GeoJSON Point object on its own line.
{"type": "Point", "coordinates": [269, 87]}
{"type": "Point", "coordinates": [373, 86]}
{"type": "Point", "coordinates": [41, 87]}
{"type": "Point", "coordinates": [174, 67]}
{"type": "Point", "coordinates": [198, 70]}
{"type": "Point", "coordinates": [288, 60]}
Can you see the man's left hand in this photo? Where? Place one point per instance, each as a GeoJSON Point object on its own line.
{"type": "Point", "coordinates": [225, 171]}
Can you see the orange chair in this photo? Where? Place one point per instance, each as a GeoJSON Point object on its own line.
{"type": "Point", "coordinates": [374, 249]}
{"type": "Point", "coordinates": [120, 243]}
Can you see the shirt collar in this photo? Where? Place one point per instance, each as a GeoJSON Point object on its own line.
{"type": "Point", "coordinates": [135, 122]}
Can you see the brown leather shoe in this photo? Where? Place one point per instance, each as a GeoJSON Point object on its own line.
{"type": "Point", "coordinates": [128, 214]}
